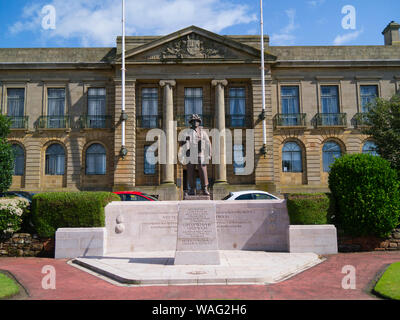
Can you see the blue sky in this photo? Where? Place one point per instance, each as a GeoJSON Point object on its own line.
{"type": "Point", "coordinates": [96, 23]}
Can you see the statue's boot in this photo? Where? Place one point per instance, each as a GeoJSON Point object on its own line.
{"type": "Point", "coordinates": [205, 191]}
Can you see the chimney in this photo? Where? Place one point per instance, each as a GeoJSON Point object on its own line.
{"type": "Point", "coordinates": [391, 33]}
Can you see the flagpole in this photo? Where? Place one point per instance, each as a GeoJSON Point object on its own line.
{"type": "Point", "coordinates": [264, 148]}
{"type": "Point", "coordinates": [124, 151]}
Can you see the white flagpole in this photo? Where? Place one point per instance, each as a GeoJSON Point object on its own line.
{"type": "Point", "coordinates": [123, 80]}
{"type": "Point", "coordinates": [263, 78]}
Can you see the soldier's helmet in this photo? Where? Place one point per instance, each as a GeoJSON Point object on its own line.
{"type": "Point", "coordinates": [195, 117]}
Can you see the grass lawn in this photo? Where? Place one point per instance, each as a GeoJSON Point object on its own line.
{"type": "Point", "coordinates": [8, 287]}
{"type": "Point", "coordinates": [388, 285]}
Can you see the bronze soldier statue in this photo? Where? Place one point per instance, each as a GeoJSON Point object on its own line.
{"type": "Point", "coordinates": [198, 139]}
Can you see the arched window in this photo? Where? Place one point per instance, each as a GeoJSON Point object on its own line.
{"type": "Point", "coordinates": [55, 160]}
{"type": "Point", "coordinates": [370, 147]}
{"type": "Point", "coordinates": [19, 160]}
{"type": "Point", "coordinates": [291, 157]}
{"type": "Point", "coordinates": [330, 152]}
{"type": "Point", "coordinates": [96, 159]}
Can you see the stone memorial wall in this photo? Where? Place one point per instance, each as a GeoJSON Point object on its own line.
{"type": "Point", "coordinates": [153, 226]}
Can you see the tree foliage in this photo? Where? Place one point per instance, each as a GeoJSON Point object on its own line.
{"type": "Point", "coordinates": [6, 155]}
{"type": "Point", "coordinates": [383, 120]}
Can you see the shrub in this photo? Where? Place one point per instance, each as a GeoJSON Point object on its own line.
{"type": "Point", "coordinates": [11, 214]}
{"type": "Point", "coordinates": [6, 155]}
{"type": "Point", "coordinates": [366, 193]}
{"type": "Point", "coordinates": [53, 210]}
{"type": "Point", "coordinates": [308, 208]}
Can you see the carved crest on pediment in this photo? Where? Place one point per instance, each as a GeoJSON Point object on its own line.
{"type": "Point", "coordinates": [190, 47]}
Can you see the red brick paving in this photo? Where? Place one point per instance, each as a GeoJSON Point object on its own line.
{"type": "Point", "coordinates": [322, 282]}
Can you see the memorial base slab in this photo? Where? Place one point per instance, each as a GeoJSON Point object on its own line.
{"type": "Point", "coordinates": [197, 258]}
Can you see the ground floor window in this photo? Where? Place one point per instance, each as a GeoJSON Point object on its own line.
{"type": "Point", "coordinates": [19, 160]}
{"type": "Point", "coordinates": [291, 157]}
{"type": "Point", "coordinates": [370, 148]}
{"type": "Point", "coordinates": [55, 160]}
{"type": "Point", "coordinates": [96, 160]}
{"type": "Point", "coordinates": [149, 161]}
{"type": "Point", "coordinates": [330, 152]}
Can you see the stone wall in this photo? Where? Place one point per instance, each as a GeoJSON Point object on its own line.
{"type": "Point", "coordinates": [26, 245]}
{"type": "Point", "coordinates": [370, 243]}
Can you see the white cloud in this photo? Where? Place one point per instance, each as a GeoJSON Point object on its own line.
{"type": "Point", "coordinates": [98, 23]}
{"type": "Point", "coordinates": [285, 36]}
{"type": "Point", "coordinates": [345, 38]}
{"type": "Point", "coordinates": [315, 3]}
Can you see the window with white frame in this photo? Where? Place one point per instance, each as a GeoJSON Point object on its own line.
{"type": "Point", "coordinates": [291, 157]}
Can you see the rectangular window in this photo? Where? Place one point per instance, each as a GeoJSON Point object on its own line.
{"type": "Point", "coordinates": [149, 161]}
{"type": "Point", "coordinates": [238, 159]}
{"type": "Point", "coordinates": [237, 107]}
{"type": "Point", "coordinates": [290, 105]}
{"type": "Point", "coordinates": [368, 95]}
{"type": "Point", "coordinates": [96, 107]}
{"type": "Point", "coordinates": [15, 107]}
{"type": "Point", "coordinates": [330, 105]}
{"type": "Point", "coordinates": [56, 108]}
{"type": "Point", "coordinates": [149, 107]}
{"type": "Point", "coordinates": [15, 102]}
{"type": "Point", "coordinates": [193, 102]}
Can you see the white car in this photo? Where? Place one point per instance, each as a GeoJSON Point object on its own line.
{"type": "Point", "coordinates": [250, 195]}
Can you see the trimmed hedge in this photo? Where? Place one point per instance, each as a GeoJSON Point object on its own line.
{"type": "Point", "coordinates": [53, 210]}
{"type": "Point", "coordinates": [366, 191]}
{"type": "Point", "coordinates": [308, 209]}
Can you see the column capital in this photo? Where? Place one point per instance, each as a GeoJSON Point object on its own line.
{"type": "Point", "coordinates": [170, 83]}
{"type": "Point", "coordinates": [222, 82]}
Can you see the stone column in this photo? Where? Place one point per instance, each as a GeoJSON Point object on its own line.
{"type": "Point", "coordinates": [220, 172]}
{"type": "Point", "coordinates": [168, 126]}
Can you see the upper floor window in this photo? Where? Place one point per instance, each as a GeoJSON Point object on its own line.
{"type": "Point", "coordinates": [237, 106]}
{"type": "Point", "coordinates": [19, 160]}
{"type": "Point", "coordinates": [96, 101]}
{"type": "Point", "coordinates": [15, 102]}
{"type": "Point", "coordinates": [370, 148]}
{"type": "Point", "coordinates": [56, 107]}
{"type": "Point", "coordinates": [55, 160]}
{"type": "Point", "coordinates": [291, 157]}
{"type": "Point", "coordinates": [96, 159]}
{"type": "Point", "coordinates": [238, 159]}
{"type": "Point", "coordinates": [330, 152]}
{"type": "Point", "coordinates": [368, 94]}
{"type": "Point", "coordinates": [149, 161]}
{"type": "Point", "coordinates": [330, 99]}
{"type": "Point", "coordinates": [193, 101]}
{"type": "Point", "coordinates": [149, 107]}
{"type": "Point", "coordinates": [290, 105]}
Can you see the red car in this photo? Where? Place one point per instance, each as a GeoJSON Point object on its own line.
{"type": "Point", "coordinates": [134, 196]}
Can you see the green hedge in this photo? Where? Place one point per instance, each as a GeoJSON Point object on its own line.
{"type": "Point", "coordinates": [366, 192]}
{"type": "Point", "coordinates": [53, 210]}
{"type": "Point", "coordinates": [308, 209]}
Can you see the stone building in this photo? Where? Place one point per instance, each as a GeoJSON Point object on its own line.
{"type": "Point", "coordinates": [65, 106]}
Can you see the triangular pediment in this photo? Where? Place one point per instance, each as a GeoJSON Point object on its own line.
{"type": "Point", "coordinates": [194, 44]}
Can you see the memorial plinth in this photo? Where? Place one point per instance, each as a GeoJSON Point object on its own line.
{"type": "Point", "coordinates": [197, 242]}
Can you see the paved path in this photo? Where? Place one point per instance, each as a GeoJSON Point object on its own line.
{"type": "Point", "coordinates": [323, 281]}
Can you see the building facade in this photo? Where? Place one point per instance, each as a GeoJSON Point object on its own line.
{"type": "Point", "coordinates": [65, 107]}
